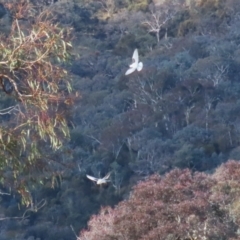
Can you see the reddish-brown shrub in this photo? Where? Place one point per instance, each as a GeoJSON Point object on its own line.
{"type": "Point", "coordinates": [180, 205]}
{"type": "Point", "coordinates": [227, 190]}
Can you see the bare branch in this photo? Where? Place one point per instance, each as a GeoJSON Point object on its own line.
{"type": "Point", "coordinates": [158, 19]}
{"type": "Point", "coordinates": [9, 110]}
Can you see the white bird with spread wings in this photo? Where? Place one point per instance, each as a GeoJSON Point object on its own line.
{"type": "Point", "coordinates": [135, 63]}
{"type": "Point", "coordinates": [100, 181]}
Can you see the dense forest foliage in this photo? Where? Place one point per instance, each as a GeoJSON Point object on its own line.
{"type": "Point", "coordinates": [181, 111]}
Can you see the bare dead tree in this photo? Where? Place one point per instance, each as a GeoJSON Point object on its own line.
{"type": "Point", "coordinates": [219, 75]}
{"type": "Point", "coordinates": [117, 182]}
{"type": "Point", "coordinates": [187, 113]}
{"type": "Point", "coordinates": [158, 18]}
{"type": "Point", "coordinates": [108, 6]}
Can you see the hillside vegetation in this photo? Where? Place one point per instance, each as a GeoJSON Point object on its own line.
{"type": "Point", "coordinates": [181, 111]}
{"type": "Point", "coordinates": [180, 205]}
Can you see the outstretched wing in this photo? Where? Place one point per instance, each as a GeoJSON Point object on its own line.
{"type": "Point", "coordinates": [107, 176]}
{"type": "Point", "coordinates": [92, 178]}
{"type": "Point", "coordinates": [130, 70]}
{"type": "Point", "coordinates": [140, 66]}
{"type": "Point", "coordinates": [134, 59]}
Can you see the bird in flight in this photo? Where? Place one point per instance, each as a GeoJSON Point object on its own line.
{"type": "Point", "coordinates": [100, 181]}
{"type": "Point", "coordinates": [135, 63]}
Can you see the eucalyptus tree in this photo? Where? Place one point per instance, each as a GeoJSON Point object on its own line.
{"type": "Point", "coordinates": [35, 87]}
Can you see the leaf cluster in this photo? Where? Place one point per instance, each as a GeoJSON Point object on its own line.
{"type": "Point", "coordinates": [30, 64]}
